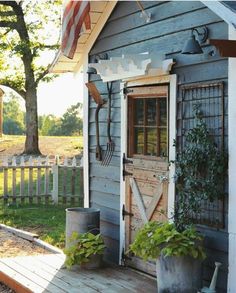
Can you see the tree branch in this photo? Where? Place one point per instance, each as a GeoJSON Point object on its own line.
{"type": "Point", "coordinates": [8, 3]}
{"type": "Point", "coordinates": [42, 75]}
{"type": "Point", "coordinates": [42, 47]}
{"type": "Point", "coordinates": [6, 83]}
{"type": "Point", "coordinates": [10, 24]}
{"type": "Point", "coordinates": [7, 13]}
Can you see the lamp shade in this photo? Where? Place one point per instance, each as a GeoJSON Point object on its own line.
{"type": "Point", "coordinates": [192, 46]}
{"type": "Point", "coordinates": [91, 70]}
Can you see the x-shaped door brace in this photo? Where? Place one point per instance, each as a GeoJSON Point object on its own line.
{"type": "Point", "coordinates": [146, 213]}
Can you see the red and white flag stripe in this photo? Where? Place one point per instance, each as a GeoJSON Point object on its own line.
{"type": "Point", "coordinates": [76, 20]}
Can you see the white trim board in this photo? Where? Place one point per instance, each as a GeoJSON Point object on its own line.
{"type": "Point", "coordinates": [85, 135]}
{"type": "Point", "coordinates": [232, 167]}
{"type": "Point", "coordinates": [123, 145]}
{"type": "Point", "coordinates": [222, 11]}
{"type": "Point", "coordinates": [172, 80]}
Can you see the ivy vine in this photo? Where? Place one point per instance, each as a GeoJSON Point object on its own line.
{"type": "Point", "coordinates": [200, 172]}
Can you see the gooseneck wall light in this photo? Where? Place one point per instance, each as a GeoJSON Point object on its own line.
{"type": "Point", "coordinates": [192, 45]}
{"type": "Point", "coordinates": [95, 59]}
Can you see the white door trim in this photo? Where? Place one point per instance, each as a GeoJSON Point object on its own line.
{"type": "Point", "coordinates": [172, 80]}
{"type": "Point", "coordinates": [232, 166]}
{"type": "Point", "coordinates": [123, 142]}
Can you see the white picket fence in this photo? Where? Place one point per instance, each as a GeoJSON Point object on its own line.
{"type": "Point", "coordinates": [41, 180]}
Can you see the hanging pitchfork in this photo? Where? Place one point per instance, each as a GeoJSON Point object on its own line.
{"type": "Point", "coordinates": [110, 143]}
{"type": "Point", "coordinates": [100, 102]}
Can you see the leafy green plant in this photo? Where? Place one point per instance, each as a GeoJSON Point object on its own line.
{"type": "Point", "coordinates": [157, 238]}
{"type": "Point", "coordinates": [82, 247]}
{"type": "Point", "coordinates": [200, 172]}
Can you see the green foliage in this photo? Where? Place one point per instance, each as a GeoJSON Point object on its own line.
{"type": "Point", "coordinates": [156, 239]}
{"type": "Point", "coordinates": [49, 125]}
{"type": "Point", "coordinates": [42, 23]}
{"type": "Point", "coordinates": [13, 117]}
{"type": "Point", "coordinates": [69, 124]}
{"type": "Point", "coordinates": [200, 172]}
{"type": "Point", "coordinates": [29, 32]}
{"type": "Point", "coordinates": [82, 247]}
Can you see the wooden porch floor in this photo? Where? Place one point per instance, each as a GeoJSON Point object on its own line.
{"type": "Point", "coordinates": [45, 273]}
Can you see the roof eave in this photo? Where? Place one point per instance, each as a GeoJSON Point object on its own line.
{"type": "Point", "coordinates": [223, 11]}
{"type": "Point", "coordinates": [75, 64]}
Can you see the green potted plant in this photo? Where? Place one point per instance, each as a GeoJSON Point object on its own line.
{"type": "Point", "coordinates": [178, 254]}
{"type": "Point", "coordinates": [177, 246]}
{"type": "Point", "coordinates": [85, 250]}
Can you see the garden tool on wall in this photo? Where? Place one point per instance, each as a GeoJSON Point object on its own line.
{"type": "Point", "coordinates": [100, 102]}
{"type": "Point", "coordinates": [110, 143]}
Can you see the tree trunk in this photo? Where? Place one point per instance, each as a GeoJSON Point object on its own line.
{"type": "Point", "coordinates": [31, 142]}
{"type": "Point", "coordinates": [1, 112]}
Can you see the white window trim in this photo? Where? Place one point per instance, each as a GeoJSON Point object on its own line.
{"type": "Point", "coordinates": [172, 80]}
{"type": "Point", "coordinates": [232, 167]}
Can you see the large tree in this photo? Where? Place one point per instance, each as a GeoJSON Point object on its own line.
{"type": "Point", "coordinates": [27, 32]}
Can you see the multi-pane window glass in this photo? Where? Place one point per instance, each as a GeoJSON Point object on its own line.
{"type": "Point", "coordinates": [148, 126]}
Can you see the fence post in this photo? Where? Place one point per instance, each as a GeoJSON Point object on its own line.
{"type": "Point", "coordinates": [5, 172]}
{"type": "Point", "coordinates": [81, 177]}
{"type": "Point", "coordinates": [30, 183]}
{"type": "Point", "coordinates": [14, 180]}
{"type": "Point", "coordinates": [64, 188]}
{"type": "Point", "coordinates": [55, 173]}
{"type": "Point", "coordinates": [38, 186]}
{"type": "Point", "coordinates": [22, 179]}
{"type": "Point", "coordinates": [46, 180]}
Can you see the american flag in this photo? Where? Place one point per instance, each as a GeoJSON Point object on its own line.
{"type": "Point", "coordinates": [76, 20]}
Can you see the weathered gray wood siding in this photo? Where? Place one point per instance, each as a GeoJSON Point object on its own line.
{"type": "Point", "coordinates": [127, 33]}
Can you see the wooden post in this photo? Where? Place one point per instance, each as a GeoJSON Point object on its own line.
{"type": "Point", "coordinates": [1, 111]}
{"type": "Point", "coordinates": [73, 175]}
{"type": "Point", "coordinates": [14, 180]}
{"type": "Point", "coordinates": [81, 186]}
{"type": "Point", "coordinates": [46, 180]}
{"type": "Point", "coordinates": [55, 172]}
{"type": "Point", "coordinates": [5, 172]}
{"type": "Point", "coordinates": [30, 183]}
{"type": "Point", "coordinates": [64, 188]}
{"type": "Point", "coordinates": [22, 179]}
{"type": "Point", "coordinates": [38, 186]}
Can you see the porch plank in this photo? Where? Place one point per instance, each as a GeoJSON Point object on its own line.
{"type": "Point", "coordinates": [8, 273]}
{"type": "Point", "coordinates": [46, 273]}
{"type": "Point", "coordinates": [69, 277]}
{"type": "Point", "coordinates": [40, 272]}
{"type": "Point", "coordinates": [98, 280]}
{"type": "Point", "coordinates": [40, 281]}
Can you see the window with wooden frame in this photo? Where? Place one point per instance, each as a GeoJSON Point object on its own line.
{"type": "Point", "coordinates": [148, 121]}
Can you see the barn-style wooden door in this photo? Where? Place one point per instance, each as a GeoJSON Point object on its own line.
{"type": "Point", "coordinates": [146, 165]}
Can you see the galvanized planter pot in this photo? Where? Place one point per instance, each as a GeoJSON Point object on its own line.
{"type": "Point", "coordinates": [95, 262]}
{"type": "Point", "coordinates": [82, 220]}
{"type": "Point", "coordinates": [178, 274]}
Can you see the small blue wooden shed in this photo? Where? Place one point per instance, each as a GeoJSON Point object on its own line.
{"type": "Point", "coordinates": [154, 89]}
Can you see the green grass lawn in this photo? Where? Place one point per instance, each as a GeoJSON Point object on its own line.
{"type": "Point", "coordinates": [47, 221]}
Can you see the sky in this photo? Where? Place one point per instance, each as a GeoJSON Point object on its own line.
{"type": "Point", "coordinates": [58, 95]}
